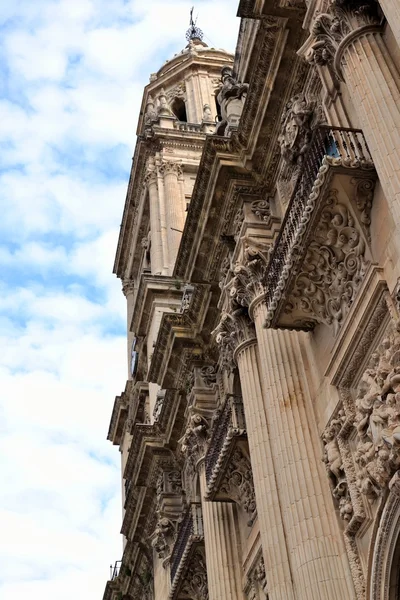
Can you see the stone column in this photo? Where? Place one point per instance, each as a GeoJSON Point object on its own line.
{"type": "Point", "coordinates": [221, 544]}
{"type": "Point", "coordinates": [128, 289]}
{"type": "Point", "coordinates": [317, 555]}
{"type": "Point", "coordinates": [156, 251]}
{"type": "Point", "coordinates": [174, 209]}
{"type": "Point", "coordinates": [348, 40]}
{"type": "Point", "coordinates": [391, 9]}
{"type": "Point", "coordinates": [236, 335]}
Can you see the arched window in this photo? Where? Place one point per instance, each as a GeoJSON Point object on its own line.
{"type": "Point", "coordinates": [179, 109]}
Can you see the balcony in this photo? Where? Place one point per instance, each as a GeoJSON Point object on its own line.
{"type": "Point", "coordinates": [190, 535]}
{"type": "Point", "coordinates": [229, 427]}
{"type": "Point", "coordinates": [332, 198]}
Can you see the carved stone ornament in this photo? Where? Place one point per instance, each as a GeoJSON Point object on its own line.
{"type": "Point", "coordinates": [261, 209]}
{"type": "Point", "coordinates": [333, 268]}
{"type": "Point", "coordinates": [168, 167]}
{"type": "Point", "coordinates": [330, 31]}
{"type": "Point", "coordinates": [208, 375]}
{"type": "Point", "coordinates": [296, 132]}
{"type": "Point", "coordinates": [238, 484]}
{"type": "Point", "coordinates": [163, 536]}
{"type": "Point", "coordinates": [231, 99]}
{"type": "Point", "coordinates": [248, 276]}
{"type": "Point", "coordinates": [179, 91]}
{"type": "Point", "coordinates": [163, 107]}
{"type": "Point", "coordinates": [151, 113]}
{"type": "Point", "coordinates": [334, 466]}
{"type": "Point", "coordinates": [193, 442]}
{"type": "Point", "coordinates": [377, 419]}
{"type": "Point", "coordinates": [233, 329]}
{"type": "Point", "coordinates": [207, 114]}
{"type": "Point", "coordinates": [195, 584]}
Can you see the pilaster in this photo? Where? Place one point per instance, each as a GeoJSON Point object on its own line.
{"type": "Point", "coordinates": [174, 208]}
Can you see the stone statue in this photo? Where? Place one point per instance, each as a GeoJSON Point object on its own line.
{"type": "Point", "coordinates": [231, 99]}
{"type": "Point", "coordinates": [296, 132]}
{"type": "Point", "coordinates": [207, 115]}
{"type": "Point", "coordinates": [151, 113]}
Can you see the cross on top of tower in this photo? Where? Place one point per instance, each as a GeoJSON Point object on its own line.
{"type": "Point", "coordinates": [193, 33]}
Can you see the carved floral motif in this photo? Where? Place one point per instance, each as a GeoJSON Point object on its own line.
{"type": "Point", "coordinates": [238, 484]}
{"type": "Point", "coordinates": [333, 268]}
{"type": "Point", "coordinates": [195, 584]}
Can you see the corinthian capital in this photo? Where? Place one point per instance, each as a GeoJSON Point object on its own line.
{"type": "Point", "coordinates": [247, 283]}
{"type": "Point", "coordinates": [151, 172]}
{"type": "Point", "coordinates": [331, 31]}
{"type": "Point", "coordinates": [168, 167]}
{"type": "Point", "coordinates": [233, 329]}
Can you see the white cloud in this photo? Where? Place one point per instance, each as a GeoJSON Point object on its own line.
{"type": "Point", "coordinates": [75, 71]}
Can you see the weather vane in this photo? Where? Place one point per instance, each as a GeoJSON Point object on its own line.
{"type": "Point", "coordinates": [193, 32]}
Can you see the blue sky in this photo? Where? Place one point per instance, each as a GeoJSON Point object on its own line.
{"type": "Point", "coordinates": [71, 74]}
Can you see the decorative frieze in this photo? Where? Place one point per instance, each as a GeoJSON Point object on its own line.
{"type": "Point", "coordinates": [333, 268]}
{"type": "Point", "coordinates": [238, 484]}
{"type": "Point", "coordinates": [377, 418]}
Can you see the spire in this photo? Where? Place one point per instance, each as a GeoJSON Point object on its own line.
{"type": "Point", "coordinates": [193, 33]}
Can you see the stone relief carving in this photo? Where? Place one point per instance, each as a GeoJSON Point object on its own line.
{"type": "Point", "coordinates": [179, 91]}
{"type": "Point", "coordinates": [238, 484]}
{"type": "Point", "coordinates": [208, 375]}
{"type": "Point", "coordinates": [163, 537]}
{"type": "Point", "coordinates": [195, 584]}
{"type": "Point", "coordinates": [262, 210]}
{"type": "Point", "coordinates": [231, 98]}
{"type": "Point", "coordinates": [377, 419]}
{"type": "Point", "coordinates": [333, 268]}
{"type": "Point", "coordinates": [226, 263]}
{"type": "Point", "coordinates": [334, 466]}
{"type": "Point", "coordinates": [296, 131]}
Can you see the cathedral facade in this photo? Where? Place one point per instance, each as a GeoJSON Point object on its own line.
{"type": "Point", "coordinates": [259, 254]}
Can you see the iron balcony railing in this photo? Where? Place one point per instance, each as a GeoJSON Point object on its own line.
{"type": "Point", "coordinates": [230, 422]}
{"type": "Point", "coordinates": [190, 530]}
{"type": "Point", "coordinates": [114, 570]}
{"type": "Point", "coordinates": [343, 147]}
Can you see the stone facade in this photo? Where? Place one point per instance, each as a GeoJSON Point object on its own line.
{"type": "Point", "coordinates": [259, 253]}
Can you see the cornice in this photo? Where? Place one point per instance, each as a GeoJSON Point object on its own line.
{"type": "Point", "coordinates": [182, 327]}
{"type": "Point", "coordinates": [151, 286]}
{"type": "Point", "coordinates": [215, 149]}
